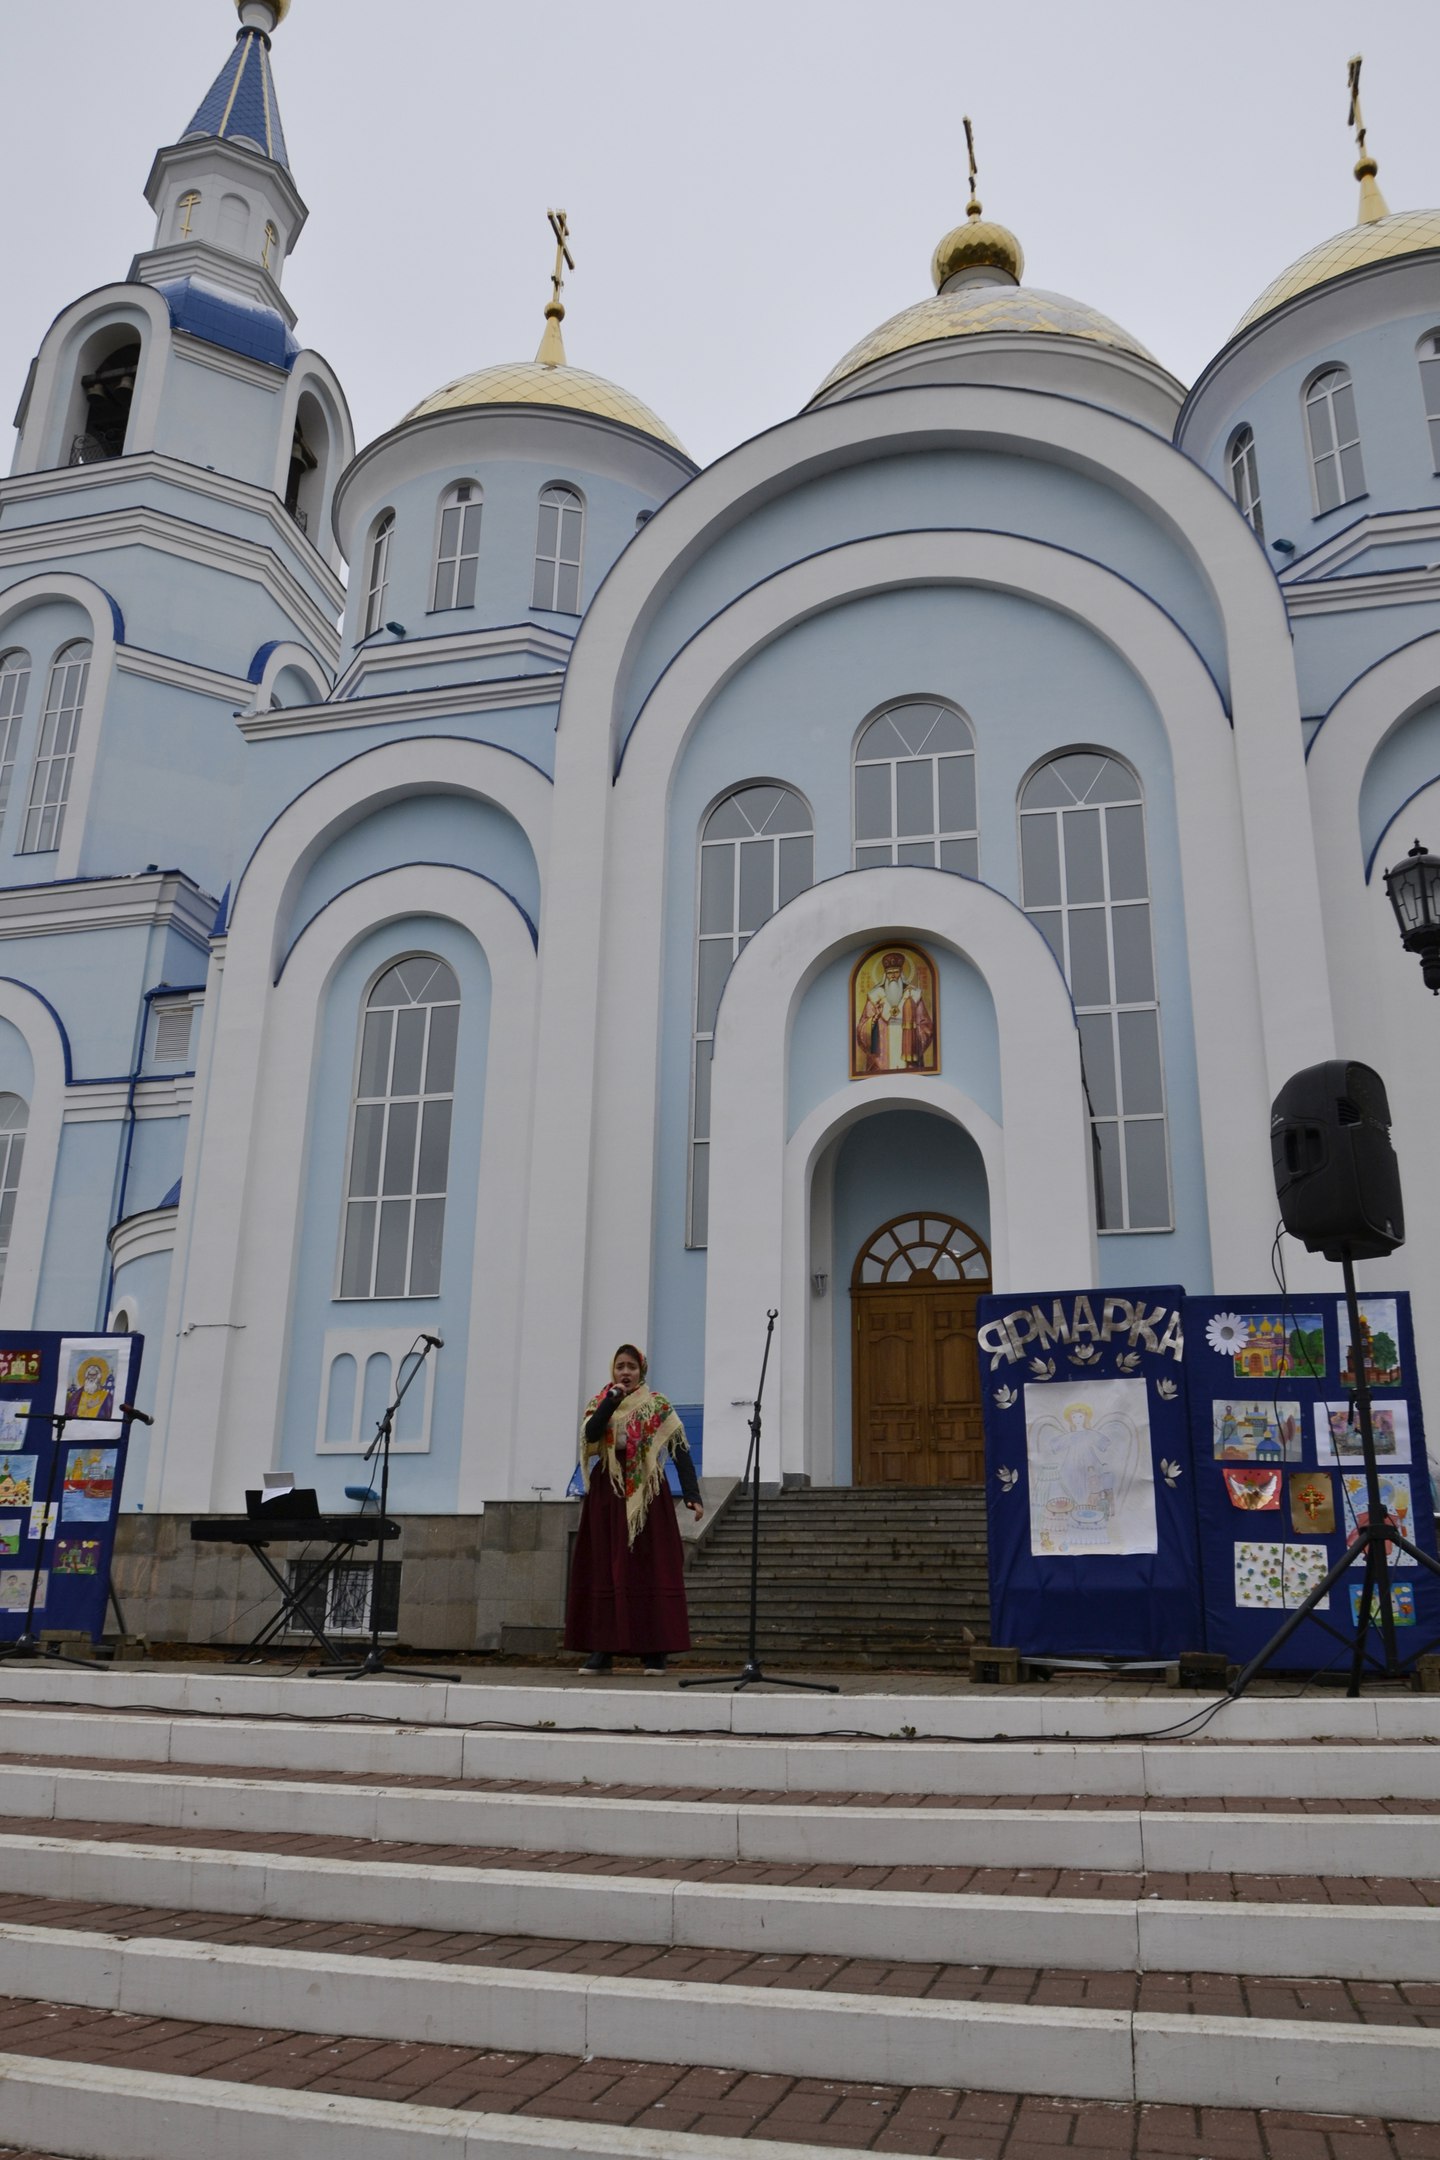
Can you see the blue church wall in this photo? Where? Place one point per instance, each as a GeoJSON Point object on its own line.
{"type": "Point", "coordinates": [428, 1481]}
{"type": "Point", "coordinates": [164, 784]}
{"type": "Point", "coordinates": [886, 1166]}
{"type": "Point", "coordinates": [959, 490]}
{"type": "Point", "coordinates": [429, 828]}
{"type": "Point", "coordinates": [511, 491]}
{"type": "Point", "coordinates": [143, 1287]}
{"type": "Point", "coordinates": [17, 1067]}
{"type": "Point", "coordinates": [1032, 682]}
{"type": "Point", "coordinates": [1394, 441]}
{"type": "Point", "coordinates": [820, 1036]}
{"type": "Point", "coordinates": [94, 981]}
{"type": "Point", "coordinates": [214, 418]}
{"type": "Point", "coordinates": [1333, 651]}
{"type": "Point", "coordinates": [74, 1269]}
{"type": "Point", "coordinates": [157, 1157]}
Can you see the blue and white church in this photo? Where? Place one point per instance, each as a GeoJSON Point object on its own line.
{"type": "Point", "coordinates": [509, 883]}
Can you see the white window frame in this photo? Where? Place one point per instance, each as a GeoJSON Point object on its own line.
{"type": "Point", "coordinates": [1329, 453]}
{"type": "Point", "coordinates": [937, 837]}
{"type": "Point", "coordinates": [14, 690]}
{"type": "Point", "coordinates": [54, 765]}
{"type": "Point", "coordinates": [412, 1193]}
{"type": "Point", "coordinates": [1429, 364]}
{"type": "Point", "coordinates": [12, 1156]}
{"type": "Point", "coordinates": [702, 1039]}
{"type": "Point", "coordinates": [377, 575]}
{"type": "Point", "coordinates": [1244, 469]}
{"type": "Point", "coordinates": [569, 507]}
{"type": "Point", "coordinates": [1120, 1118]}
{"type": "Point", "coordinates": [457, 568]}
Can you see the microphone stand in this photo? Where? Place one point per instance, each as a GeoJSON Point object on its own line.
{"type": "Point", "coordinates": [1372, 1538]}
{"type": "Point", "coordinates": [373, 1666]}
{"type": "Point", "coordinates": [753, 1671]}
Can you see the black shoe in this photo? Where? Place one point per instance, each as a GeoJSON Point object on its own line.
{"type": "Point", "coordinates": [653, 1667]}
{"type": "Point", "coordinates": [601, 1662]}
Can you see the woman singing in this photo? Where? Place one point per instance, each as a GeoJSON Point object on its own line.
{"type": "Point", "coordinates": [627, 1584]}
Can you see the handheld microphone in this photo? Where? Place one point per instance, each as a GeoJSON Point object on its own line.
{"type": "Point", "coordinates": [128, 1409]}
{"type": "Point", "coordinates": [436, 1342]}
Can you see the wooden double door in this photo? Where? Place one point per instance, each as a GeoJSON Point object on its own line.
{"type": "Point", "coordinates": [916, 1383]}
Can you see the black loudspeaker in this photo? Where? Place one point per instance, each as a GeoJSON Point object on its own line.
{"type": "Point", "coordinates": [1336, 1176]}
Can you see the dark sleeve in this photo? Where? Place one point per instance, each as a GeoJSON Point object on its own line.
{"type": "Point", "coordinates": [684, 1463]}
{"type": "Point", "coordinates": [599, 1418]}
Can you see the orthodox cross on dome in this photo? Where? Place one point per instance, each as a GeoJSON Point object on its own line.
{"type": "Point", "coordinates": [552, 345]}
{"type": "Point", "coordinates": [974, 206]}
{"type": "Point", "coordinates": [1373, 205]}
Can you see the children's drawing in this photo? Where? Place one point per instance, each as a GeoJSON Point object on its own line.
{"type": "Point", "coordinates": [1279, 1575]}
{"type": "Point", "coordinates": [1337, 1431]}
{"type": "Point", "coordinates": [1092, 1486]}
{"type": "Point", "coordinates": [1394, 1499]}
{"type": "Point", "coordinates": [1250, 1431]}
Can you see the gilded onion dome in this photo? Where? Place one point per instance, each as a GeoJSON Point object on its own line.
{"type": "Point", "coordinates": [977, 269]}
{"type": "Point", "coordinates": [549, 379]}
{"type": "Point", "coordinates": [1378, 235]}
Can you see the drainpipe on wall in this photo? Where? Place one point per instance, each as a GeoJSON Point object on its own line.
{"type": "Point", "coordinates": [146, 999]}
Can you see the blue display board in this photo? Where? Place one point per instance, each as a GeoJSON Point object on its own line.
{"type": "Point", "coordinates": [1093, 1542]}
{"type": "Point", "coordinates": [1278, 1474]}
{"type": "Point", "coordinates": [86, 1378]}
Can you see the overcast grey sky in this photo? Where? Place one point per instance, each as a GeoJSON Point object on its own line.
{"type": "Point", "coordinates": [752, 184]}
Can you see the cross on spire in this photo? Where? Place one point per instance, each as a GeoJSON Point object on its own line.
{"type": "Point", "coordinates": [974, 206]}
{"type": "Point", "coordinates": [552, 345]}
{"type": "Point", "coordinates": [1373, 205]}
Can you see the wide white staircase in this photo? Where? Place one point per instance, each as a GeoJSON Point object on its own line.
{"type": "Point", "coordinates": [244, 1917]}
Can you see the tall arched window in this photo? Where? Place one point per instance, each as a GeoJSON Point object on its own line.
{"type": "Point", "coordinates": [1430, 390]}
{"type": "Point", "coordinates": [559, 537]}
{"type": "Point", "coordinates": [1245, 479]}
{"type": "Point", "coordinates": [377, 574]}
{"type": "Point", "coordinates": [457, 551]}
{"type": "Point", "coordinates": [14, 1114]}
{"type": "Point", "coordinates": [55, 756]}
{"type": "Point", "coordinates": [757, 850]}
{"type": "Point", "coordinates": [1085, 883]}
{"type": "Point", "coordinates": [915, 789]}
{"type": "Point", "coordinates": [14, 687]}
{"type": "Point", "coordinates": [1334, 431]}
{"type": "Point", "coordinates": [400, 1133]}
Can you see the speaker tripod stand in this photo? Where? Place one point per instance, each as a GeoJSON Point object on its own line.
{"type": "Point", "coordinates": [753, 1672]}
{"type": "Point", "coordinates": [1373, 1538]}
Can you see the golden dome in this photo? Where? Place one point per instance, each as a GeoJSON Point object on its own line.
{"type": "Point", "coordinates": [977, 244]}
{"type": "Point", "coordinates": [531, 382]}
{"type": "Point", "coordinates": [984, 311]}
{"type": "Point", "coordinates": [1403, 232]}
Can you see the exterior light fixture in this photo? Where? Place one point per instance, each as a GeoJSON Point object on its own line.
{"type": "Point", "coordinates": [1414, 889]}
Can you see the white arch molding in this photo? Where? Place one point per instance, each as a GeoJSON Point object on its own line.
{"type": "Point", "coordinates": [1238, 794]}
{"type": "Point", "coordinates": [1037, 1158]}
{"type": "Point", "coordinates": [32, 1017]}
{"type": "Point", "coordinates": [229, 1303]}
{"type": "Point", "coordinates": [136, 307]}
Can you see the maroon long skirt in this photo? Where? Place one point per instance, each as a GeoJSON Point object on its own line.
{"type": "Point", "coordinates": [626, 1600]}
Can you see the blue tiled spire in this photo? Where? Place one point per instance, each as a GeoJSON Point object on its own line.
{"type": "Point", "coordinates": [240, 105]}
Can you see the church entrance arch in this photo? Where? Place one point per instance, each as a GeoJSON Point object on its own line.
{"type": "Point", "coordinates": [916, 1371]}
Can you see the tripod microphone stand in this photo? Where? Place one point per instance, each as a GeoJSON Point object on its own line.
{"type": "Point", "coordinates": [753, 1671]}
{"type": "Point", "coordinates": [373, 1666]}
{"type": "Point", "coordinates": [1373, 1538]}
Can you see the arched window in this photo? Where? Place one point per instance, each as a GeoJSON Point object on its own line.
{"type": "Point", "coordinates": [1085, 883]}
{"type": "Point", "coordinates": [185, 210]}
{"type": "Point", "coordinates": [377, 576]}
{"type": "Point", "coordinates": [1334, 431]}
{"type": "Point", "coordinates": [14, 1114]}
{"type": "Point", "coordinates": [104, 415]}
{"type": "Point", "coordinates": [915, 789]}
{"type": "Point", "coordinates": [1245, 479]}
{"type": "Point", "coordinates": [55, 755]}
{"type": "Point", "coordinates": [559, 536]}
{"type": "Point", "coordinates": [457, 551]}
{"type": "Point", "coordinates": [757, 850]}
{"type": "Point", "coordinates": [234, 223]}
{"type": "Point", "coordinates": [400, 1133]}
{"type": "Point", "coordinates": [14, 687]}
{"type": "Point", "coordinates": [1430, 390]}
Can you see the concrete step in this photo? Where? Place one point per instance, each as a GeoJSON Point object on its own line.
{"type": "Point", "coordinates": [1334, 1940]}
{"type": "Point", "coordinates": [1140, 1839]}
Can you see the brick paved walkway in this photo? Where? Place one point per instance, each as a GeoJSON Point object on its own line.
{"type": "Point", "coordinates": [1362, 1890]}
{"type": "Point", "coordinates": [946, 2124]}
{"type": "Point", "coordinates": [1366, 2002]}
